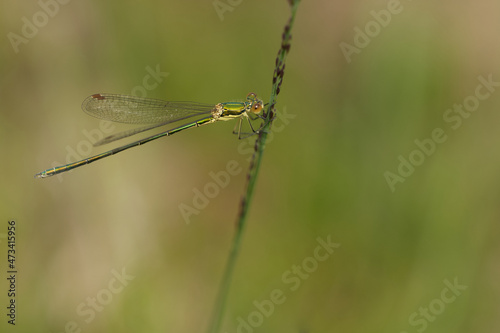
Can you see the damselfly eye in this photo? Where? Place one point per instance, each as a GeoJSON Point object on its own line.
{"type": "Point", "coordinates": [257, 107]}
{"type": "Point", "coordinates": [251, 96]}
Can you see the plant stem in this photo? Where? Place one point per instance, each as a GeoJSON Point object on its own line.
{"type": "Point", "coordinates": [253, 172]}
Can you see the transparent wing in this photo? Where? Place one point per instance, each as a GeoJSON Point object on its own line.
{"type": "Point", "coordinates": [134, 131]}
{"type": "Point", "coordinates": [140, 110]}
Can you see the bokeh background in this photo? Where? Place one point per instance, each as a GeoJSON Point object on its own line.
{"type": "Point", "coordinates": [323, 174]}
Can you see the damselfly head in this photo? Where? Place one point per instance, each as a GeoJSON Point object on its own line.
{"type": "Point", "coordinates": [256, 105]}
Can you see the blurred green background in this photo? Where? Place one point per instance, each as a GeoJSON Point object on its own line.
{"type": "Point", "coordinates": [323, 174]}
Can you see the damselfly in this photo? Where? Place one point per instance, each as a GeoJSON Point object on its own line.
{"type": "Point", "coordinates": [157, 113]}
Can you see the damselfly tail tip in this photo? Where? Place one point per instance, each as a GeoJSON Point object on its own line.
{"type": "Point", "coordinates": [42, 174]}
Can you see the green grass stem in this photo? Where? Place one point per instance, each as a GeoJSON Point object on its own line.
{"type": "Point", "coordinates": [253, 172]}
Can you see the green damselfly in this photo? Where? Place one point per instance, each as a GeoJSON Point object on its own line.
{"type": "Point", "coordinates": [157, 113]}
